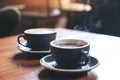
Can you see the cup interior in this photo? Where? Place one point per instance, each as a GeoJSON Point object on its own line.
{"type": "Point", "coordinates": [40, 31]}
{"type": "Point", "coordinates": [69, 43]}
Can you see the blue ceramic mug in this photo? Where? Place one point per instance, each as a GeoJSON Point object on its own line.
{"type": "Point", "coordinates": [38, 39]}
{"type": "Point", "coordinates": [70, 53]}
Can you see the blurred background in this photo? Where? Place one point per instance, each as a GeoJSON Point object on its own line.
{"type": "Point", "coordinates": [99, 16]}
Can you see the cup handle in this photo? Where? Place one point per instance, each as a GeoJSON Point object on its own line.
{"type": "Point", "coordinates": [86, 56]}
{"type": "Point", "coordinates": [19, 41]}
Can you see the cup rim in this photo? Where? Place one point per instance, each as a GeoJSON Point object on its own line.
{"type": "Point", "coordinates": [52, 31]}
{"type": "Point", "coordinates": [53, 45]}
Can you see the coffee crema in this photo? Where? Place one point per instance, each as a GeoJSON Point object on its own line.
{"type": "Point", "coordinates": [71, 43]}
{"type": "Point", "coordinates": [40, 31]}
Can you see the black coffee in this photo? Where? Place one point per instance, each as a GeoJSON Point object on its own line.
{"type": "Point", "coordinates": [70, 44]}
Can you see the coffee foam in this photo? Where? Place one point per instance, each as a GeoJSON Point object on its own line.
{"type": "Point", "coordinates": [68, 44]}
{"type": "Point", "coordinates": [40, 31]}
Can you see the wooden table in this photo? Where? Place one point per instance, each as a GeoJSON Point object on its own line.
{"type": "Point", "coordinates": [15, 65]}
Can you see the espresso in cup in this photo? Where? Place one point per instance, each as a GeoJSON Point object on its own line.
{"type": "Point", "coordinates": [38, 39]}
{"type": "Point", "coordinates": [70, 43]}
{"type": "Point", "coordinates": [70, 53]}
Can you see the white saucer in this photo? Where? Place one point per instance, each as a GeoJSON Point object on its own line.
{"type": "Point", "coordinates": [49, 62]}
{"type": "Point", "coordinates": [29, 50]}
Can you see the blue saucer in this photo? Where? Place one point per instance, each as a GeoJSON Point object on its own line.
{"type": "Point", "coordinates": [29, 50]}
{"type": "Point", "coordinates": [49, 63]}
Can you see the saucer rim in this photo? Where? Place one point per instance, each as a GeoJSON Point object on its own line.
{"type": "Point", "coordinates": [30, 51]}
{"type": "Point", "coordinates": [42, 62]}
